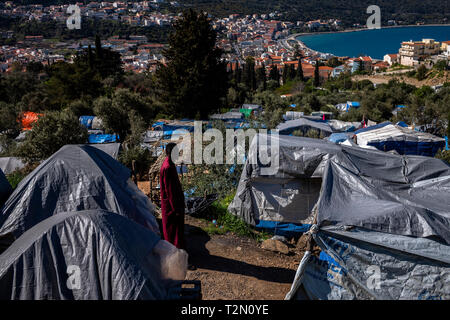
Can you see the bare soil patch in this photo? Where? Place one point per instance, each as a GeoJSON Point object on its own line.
{"type": "Point", "coordinates": [232, 267]}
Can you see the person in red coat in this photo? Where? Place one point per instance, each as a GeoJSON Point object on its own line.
{"type": "Point", "coordinates": [172, 201]}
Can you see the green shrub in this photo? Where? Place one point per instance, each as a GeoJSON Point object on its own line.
{"type": "Point", "coordinates": [229, 222]}
{"type": "Point", "coordinates": [51, 132]}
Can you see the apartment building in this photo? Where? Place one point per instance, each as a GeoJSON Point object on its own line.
{"type": "Point", "coordinates": [412, 52]}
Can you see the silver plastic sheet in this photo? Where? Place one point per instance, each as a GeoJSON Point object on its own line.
{"type": "Point", "coordinates": [77, 177]}
{"type": "Point", "coordinates": [85, 255]}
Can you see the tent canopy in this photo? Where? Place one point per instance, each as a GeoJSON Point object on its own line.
{"type": "Point", "coordinates": [289, 193]}
{"type": "Point", "coordinates": [110, 254]}
{"type": "Point", "coordinates": [10, 164]}
{"type": "Point", "coordinates": [77, 177]}
{"type": "Point", "coordinates": [304, 125]}
{"type": "Point", "coordinates": [383, 229]}
{"type": "Point", "coordinates": [392, 194]}
{"type": "Point", "coordinates": [387, 136]}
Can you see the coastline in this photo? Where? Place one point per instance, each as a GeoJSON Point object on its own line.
{"type": "Point", "coordinates": [302, 45]}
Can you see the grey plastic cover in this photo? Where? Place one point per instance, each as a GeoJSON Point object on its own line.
{"type": "Point", "coordinates": [372, 265]}
{"type": "Point", "coordinates": [5, 189]}
{"type": "Point", "coordinates": [85, 255]}
{"type": "Point", "coordinates": [77, 177]}
{"type": "Point", "coordinates": [10, 164]}
{"type": "Point", "coordinates": [404, 195]}
{"type": "Point", "coordinates": [304, 124]}
{"type": "Point", "coordinates": [289, 193]}
{"type": "Point", "coordinates": [110, 148]}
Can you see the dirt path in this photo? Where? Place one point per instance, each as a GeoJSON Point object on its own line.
{"type": "Point", "coordinates": [231, 267]}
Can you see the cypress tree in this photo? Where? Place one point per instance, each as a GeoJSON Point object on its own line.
{"type": "Point", "coordinates": [274, 74]}
{"type": "Point", "coordinates": [261, 77]}
{"type": "Point", "coordinates": [316, 75]}
{"type": "Point", "coordinates": [300, 71]}
{"type": "Point", "coordinates": [98, 47]}
{"type": "Point", "coordinates": [195, 78]}
{"type": "Point", "coordinates": [285, 74]}
{"type": "Point", "coordinates": [291, 73]}
{"type": "Point", "coordinates": [90, 58]}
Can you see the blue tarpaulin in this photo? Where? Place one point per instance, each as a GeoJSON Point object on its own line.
{"type": "Point", "coordinates": [428, 149]}
{"type": "Point", "coordinates": [352, 104]}
{"type": "Point", "coordinates": [282, 228]}
{"type": "Point", "coordinates": [86, 121]}
{"type": "Point", "coordinates": [103, 138]}
{"type": "Point", "coordinates": [402, 124]}
{"type": "Point", "coordinates": [338, 137]}
{"type": "Point", "coordinates": [377, 126]}
{"type": "Point", "coordinates": [446, 143]}
{"type": "Point", "coordinates": [169, 129]}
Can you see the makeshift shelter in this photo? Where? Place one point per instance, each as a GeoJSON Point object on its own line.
{"type": "Point", "coordinates": [229, 116]}
{"type": "Point", "coordinates": [168, 128]}
{"type": "Point", "coordinates": [111, 149]}
{"type": "Point", "coordinates": [77, 177]}
{"type": "Point", "coordinates": [282, 199]}
{"type": "Point", "coordinates": [86, 121]}
{"type": "Point", "coordinates": [246, 112]}
{"type": "Point", "coordinates": [340, 137]}
{"type": "Point", "coordinates": [90, 255]}
{"type": "Point", "coordinates": [91, 122]}
{"type": "Point", "coordinates": [304, 125]}
{"type": "Point", "coordinates": [383, 228]}
{"type": "Point", "coordinates": [347, 106]}
{"type": "Point", "coordinates": [343, 126]}
{"type": "Point", "coordinates": [11, 164]}
{"type": "Point", "coordinates": [5, 189]}
{"type": "Point", "coordinates": [292, 115]}
{"type": "Point", "coordinates": [387, 136]}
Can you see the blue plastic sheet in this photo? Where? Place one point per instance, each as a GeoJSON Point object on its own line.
{"type": "Point", "coordinates": [86, 121]}
{"type": "Point", "coordinates": [338, 137]}
{"type": "Point", "coordinates": [428, 149]}
{"type": "Point", "coordinates": [282, 228]}
{"type": "Point", "coordinates": [103, 138]}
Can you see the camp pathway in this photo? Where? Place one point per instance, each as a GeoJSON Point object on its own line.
{"type": "Point", "coordinates": [232, 267]}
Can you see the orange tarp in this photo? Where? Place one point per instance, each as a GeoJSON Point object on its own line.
{"type": "Point", "coordinates": [28, 118]}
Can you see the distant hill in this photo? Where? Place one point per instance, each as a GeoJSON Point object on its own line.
{"type": "Point", "coordinates": [349, 11]}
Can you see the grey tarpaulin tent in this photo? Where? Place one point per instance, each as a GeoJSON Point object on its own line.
{"type": "Point", "coordinates": [110, 148]}
{"type": "Point", "coordinates": [383, 227]}
{"type": "Point", "coordinates": [290, 193]}
{"type": "Point", "coordinates": [11, 164]}
{"type": "Point", "coordinates": [304, 125]}
{"type": "Point", "coordinates": [85, 255]}
{"type": "Point", "coordinates": [5, 189]}
{"type": "Point", "coordinates": [77, 177]}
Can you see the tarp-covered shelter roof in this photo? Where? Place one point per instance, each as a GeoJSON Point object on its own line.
{"type": "Point", "coordinates": [304, 125]}
{"type": "Point", "coordinates": [289, 193]}
{"type": "Point", "coordinates": [111, 255]}
{"type": "Point", "coordinates": [77, 177]}
{"type": "Point", "coordinates": [393, 194]}
{"type": "Point", "coordinates": [387, 136]}
{"type": "Point", "coordinates": [10, 164]}
{"type": "Point", "coordinates": [228, 116]}
{"type": "Point", "coordinates": [383, 228]}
